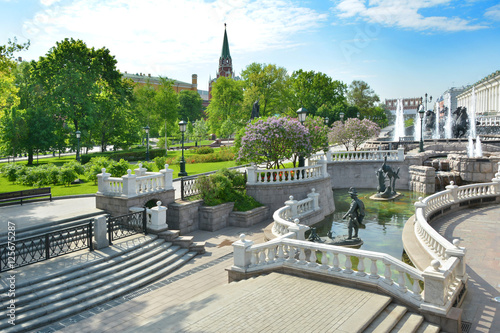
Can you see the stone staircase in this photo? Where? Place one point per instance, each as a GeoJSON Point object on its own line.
{"type": "Point", "coordinates": [52, 290]}
{"type": "Point", "coordinates": [284, 303]}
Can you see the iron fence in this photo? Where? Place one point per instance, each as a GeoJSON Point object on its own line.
{"type": "Point", "coordinates": [126, 225]}
{"type": "Point", "coordinates": [30, 250]}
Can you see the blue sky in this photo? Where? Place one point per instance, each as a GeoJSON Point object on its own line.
{"type": "Point", "coordinates": [400, 48]}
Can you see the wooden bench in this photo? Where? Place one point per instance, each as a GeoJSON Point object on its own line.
{"type": "Point", "coordinates": [12, 197]}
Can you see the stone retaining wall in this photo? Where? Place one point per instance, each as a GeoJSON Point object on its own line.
{"type": "Point", "coordinates": [422, 179]}
{"type": "Point", "coordinates": [121, 205]}
{"type": "Point", "coordinates": [476, 169]}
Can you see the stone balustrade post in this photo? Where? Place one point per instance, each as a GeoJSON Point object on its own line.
{"type": "Point", "coordinates": [453, 191]}
{"type": "Point", "coordinates": [102, 182]}
{"type": "Point", "coordinates": [129, 184]}
{"type": "Point", "coordinates": [315, 197]}
{"type": "Point", "coordinates": [401, 154]}
{"type": "Point", "coordinates": [158, 218]}
{"type": "Point", "coordinates": [299, 230]}
{"type": "Point", "coordinates": [251, 177]}
{"type": "Point", "coordinates": [329, 156]}
{"type": "Point", "coordinates": [100, 233]}
{"type": "Point", "coordinates": [434, 284]}
{"type": "Point", "coordinates": [168, 177]}
{"type": "Point", "coordinates": [459, 252]}
{"type": "Point", "coordinates": [292, 206]}
{"type": "Point", "coordinates": [241, 256]}
{"type": "Point", "coordinates": [324, 168]}
{"type": "Point", "coordinates": [140, 171]}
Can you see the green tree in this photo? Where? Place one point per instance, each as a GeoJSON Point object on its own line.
{"type": "Point", "coordinates": [200, 129]}
{"type": "Point", "coordinates": [312, 90]}
{"type": "Point", "coordinates": [361, 95]}
{"type": "Point", "coordinates": [166, 104]}
{"type": "Point", "coordinates": [190, 105]}
{"type": "Point", "coordinates": [70, 75]}
{"type": "Point", "coordinates": [353, 132]}
{"type": "Point", "coordinates": [227, 97]}
{"type": "Point", "coordinates": [268, 84]}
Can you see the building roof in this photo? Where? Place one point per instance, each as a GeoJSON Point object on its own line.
{"type": "Point", "coordinates": [225, 45]}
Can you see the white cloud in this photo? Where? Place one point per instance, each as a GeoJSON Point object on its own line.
{"type": "Point", "coordinates": [403, 14]}
{"type": "Point", "coordinates": [165, 34]}
{"type": "Point", "coordinates": [493, 13]}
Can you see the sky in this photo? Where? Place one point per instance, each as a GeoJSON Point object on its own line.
{"type": "Point", "coordinates": [401, 48]}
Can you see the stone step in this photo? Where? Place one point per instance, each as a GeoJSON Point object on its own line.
{"type": "Point", "coordinates": [74, 285]}
{"type": "Point", "coordinates": [427, 327]}
{"type": "Point", "coordinates": [387, 319]}
{"type": "Point", "coordinates": [183, 241]}
{"type": "Point", "coordinates": [68, 307]}
{"type": "Point", "coordinates": [409, 323]}
{"type": "Point", "coordinates": [81, 281]}
{"type": "Point", "coordinates": [364, 315]}
{"type": "Point", "coordinates": [198, 247]}
{"type": "Point", "coordinates": [169, 235]}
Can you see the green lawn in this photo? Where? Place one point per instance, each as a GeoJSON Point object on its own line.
{"type": "Point", "coordinates": [89, 187]}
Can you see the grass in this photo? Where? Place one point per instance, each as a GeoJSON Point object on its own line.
{"type": "Point", "coordinates": [90, 188]}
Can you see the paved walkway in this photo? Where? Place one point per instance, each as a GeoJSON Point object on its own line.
{"type": "Point", "coordinates": [479, 232]}
{"type": "Point", "coordinates": [190, 286]}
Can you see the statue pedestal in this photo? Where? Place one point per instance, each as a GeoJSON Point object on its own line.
{"type": "Point", "coordinates": [343, 241]}
{"type": "Point", "coordinates": [379, 197]}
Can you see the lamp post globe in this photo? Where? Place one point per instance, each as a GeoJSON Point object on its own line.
{"type": "Point", "coordinates": [342, 116]}
{"type": "Point", "coordinates": [182, 163]}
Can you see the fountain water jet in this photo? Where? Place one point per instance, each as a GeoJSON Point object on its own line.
{"type": "Point", "coordinates": [447, 125]}
{"type": "Point", "coordinates": [399, 127]}
{"type": "Point", "coordinates": [470, 148]}
{"type": "Point", "coordinates": [478, 152]}
{"type": "Point", "coordinates": [436, 127]}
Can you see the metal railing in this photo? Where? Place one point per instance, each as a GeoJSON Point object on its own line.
{"type": "Point", "coordinates": [30, 250]}
{"type": "Point", "coordinates": [127, 225]}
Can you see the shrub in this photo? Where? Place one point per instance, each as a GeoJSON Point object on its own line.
{"type": "Point", "coordinates": [76, 166]}
{"type": "Point", "coordinates": [225, 186]}
{"type": "Point", "coordinates": [148, 165]}
{"type": "Point", "coordinates": [67, 175]}
{"type": "Point", "coordinates": [118, 169]}
{"type": "Point", "coordinates": [94, 167]}
{"type": "Point", "coordinates": [160, 162]}
{"type": "Point", "coordinates": [13, 171]}
{"type": "Point", "coordinates": [203, 150]}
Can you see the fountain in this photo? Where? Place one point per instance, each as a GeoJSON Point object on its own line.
{"type": "Point", "coordinates": [447, 125]}
{"type": "Point", "coordinates": [478, 152]}
{"type": "Point", "coordinates": [470, 147]}
{"type": "Point", "coordinates": [399, 127]}
{"type": "Point", "coordinates": [436, 134]}
{"type": "Point", "coordinates": [472, 115]}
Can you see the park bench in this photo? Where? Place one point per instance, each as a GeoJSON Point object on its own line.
{"type": "Point", "coordinates": [12, 197]}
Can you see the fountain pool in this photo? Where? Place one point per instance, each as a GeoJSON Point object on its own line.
{"type": "Point", "coordinates": [384, 220]}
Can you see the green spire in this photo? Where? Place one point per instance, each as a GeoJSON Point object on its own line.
{"type": "Point", "coordinates": [225, 45]}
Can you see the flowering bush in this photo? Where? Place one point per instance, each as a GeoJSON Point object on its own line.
{"type": "Point", "coordinates": [318, 133]}
{"type": "Point", "coordinates": [273, 140]}
{"type": "Point", "coordinates": [353, 132]}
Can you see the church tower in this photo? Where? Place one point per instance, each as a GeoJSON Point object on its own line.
{"type": "Point", "coordinates": [225, 64]}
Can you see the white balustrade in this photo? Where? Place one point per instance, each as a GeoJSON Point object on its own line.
{"type": "Point", "coordinates": [288, 175]}
{"type": "Point", "coordinates": [336, 261]}
{"type": "Point", "coordinates": [131, 185]}
{"type": "Point", "coordinates": [367, 156]}
{"type": "Point", "coordinates": [293, 211]}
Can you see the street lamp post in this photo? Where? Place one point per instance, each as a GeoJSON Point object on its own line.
{"type": "Point", "coordinates": [302, 114]}
{"type": "Point", "coordinates": [182, 163]}
{"type": "Point", "coordinates": [342, 116]}
{"type": "Point", "coordinates": [421, 113]}
{"type": "Point", "coordinates": [78, 134]}
{"type": "Point", "coordinates": [147, 142]}
{"type": "Point", "coordinates": [358, 115]}
{"type": "Point", "coordinates": [426, 100]}
{"type": "Point", "coordinates": [326, 121]}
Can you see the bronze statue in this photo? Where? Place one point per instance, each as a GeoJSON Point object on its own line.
{"type": "Point", "coordinates": [255, 110]}
{"type": "Point", "coordinates": [384, 172]}
{"type": "Point", "coordinates": [356, 213]}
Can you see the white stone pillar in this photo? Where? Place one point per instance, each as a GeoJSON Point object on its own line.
{"type": "Point", "coordinates": [168, 177]}
{"type": "Point", "coordinates": [324, 168]}
{"type": "Point", "coordinates": [240, 254]}
{"type": "Point", "coordinates": [102, 182]}
{"type": "Point", "coordinates": [158, 218]}
{"type": "Point", "coordinates": [129, 184]}
{"type": "Point", "coordinates": [315, 197]}
{"type": "Point", "coordinates": [292, 205]}
{"type": "Point", "coordinates": [453, 191]}
{"type": "Point", "coordinates": [100, 233]}
{"type": "Point", "coordinates": [434, 284]}
{"type": "Point", "coordinates": [251, 179]}
{"type": "Point", "coordinates": [401, 154]}
{"type": "Point", "coordinates": [299, 230]}
{"type": "Point", "coordinates": [459, 253]}
{"type": "Point", "coordinates": [140, 171]}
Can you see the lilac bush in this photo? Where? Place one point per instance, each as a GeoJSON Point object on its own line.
{"type": "Point", "coordinates": [273, 140]}
{"type": "Point", "coordinates": [353, 132]}
{"type": "Point", "coordinates": [318, 133]}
